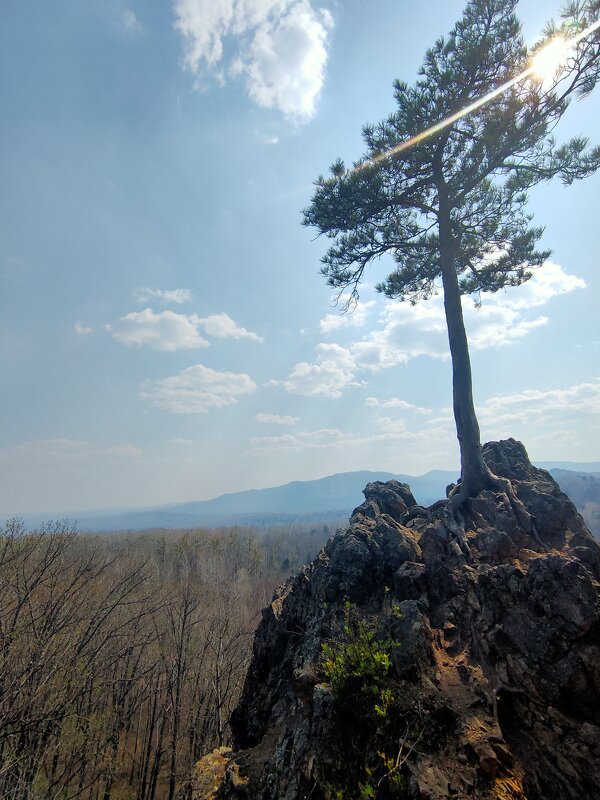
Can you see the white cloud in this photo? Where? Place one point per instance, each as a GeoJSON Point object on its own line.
{"type": "Point", "coordinates": [196, 389]}
{"type": "Point", "coordinates": [547, 282]}
{"type": "Point", "coordinates": [83, 329]}
{"type": "Point", "coordinates": [145, 294]}
{"type": "Point", "coordinates": [130, 22]}
{"type": "Point", "coordinates": [181, 441]}
{"type": "Point", "coordinates": [167, 331]}
{"type": "Point", "coordinates": [276, 419]}
{"type": "Point", "coordinates": [355, 318]}
{"type": "Point", "coordinates": [397, 403]}
{"type": "Point", "coordinates": [393, 402]}
{"type": "Point", "coordinates": [406, 332]}
{"type": "Point", "coordinates": [409, 331]}
{"type": "Point", "coordinates": [333, 372]}
{"type": "Point", "coordinates": [392, 425]}
{"type": "Point", "coordinates": [536, 404]}
{"type": "Point", "coordinates": [279, 46]}
{"type": "Point", "coordinates": [222, 327]}
{"type": "Point", "coordinates": [285, 65]}
{"type": "Point", "coordinates": [171, 331]}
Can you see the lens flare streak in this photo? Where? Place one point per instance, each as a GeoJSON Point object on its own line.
{"type": "Point", "coordinates": [567, 45]}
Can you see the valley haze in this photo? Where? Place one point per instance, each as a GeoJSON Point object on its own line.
{"type": "Point", "coordinates": [330, 498]}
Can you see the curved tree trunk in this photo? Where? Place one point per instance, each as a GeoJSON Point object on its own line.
{"type": "Point", "coordinates": [475, 474]}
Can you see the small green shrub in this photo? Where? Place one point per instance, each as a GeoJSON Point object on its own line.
{"type": "Point", "coordinates": [360, 661]}
{"type": "Point", "coordinates": [358, 667]}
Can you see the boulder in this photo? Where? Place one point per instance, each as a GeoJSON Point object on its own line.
{"type": "Point", "coordinates": [491, 622]}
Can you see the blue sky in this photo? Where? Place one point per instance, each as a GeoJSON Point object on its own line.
{"type": "Point", "coordinates": [165, 333]}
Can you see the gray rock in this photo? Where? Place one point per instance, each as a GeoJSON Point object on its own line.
{"type": "Point", "coordinates": [497, 625]}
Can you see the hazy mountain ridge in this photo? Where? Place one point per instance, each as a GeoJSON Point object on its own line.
{"type": "Point", "coordinates": [332, 497]}
{"type": "Point", "coordinates": [584, 490]}
{"type": "Point", "coordinates": [329, 498]}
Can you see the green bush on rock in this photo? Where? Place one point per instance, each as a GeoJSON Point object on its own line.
{"type": "Point", "coordinates": [359, 668]}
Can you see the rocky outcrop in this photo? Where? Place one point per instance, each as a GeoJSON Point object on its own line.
{"type": "Point", "coordinates": [486, 632]}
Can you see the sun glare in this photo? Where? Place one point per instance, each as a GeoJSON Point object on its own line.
{"type": "Point", "coordinates": [544, 66]}
{"type": "Point", "coordinates": [551, 58]}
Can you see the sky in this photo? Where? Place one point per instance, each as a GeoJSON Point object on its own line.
{"type": "Point", "coordinates": [165, 334]}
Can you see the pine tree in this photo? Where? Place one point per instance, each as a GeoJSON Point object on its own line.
{"type": "Point", "coordinates": [450, 206]}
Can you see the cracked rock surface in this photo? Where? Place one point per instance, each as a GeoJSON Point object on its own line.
{"type": "Point", "coordinates": [498, 625]}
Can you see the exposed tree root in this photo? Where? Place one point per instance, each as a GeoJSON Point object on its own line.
{"type": "Point", "coordinates": [427, 512]}
{"type": "Point", "coordinates": [455, 504]}
{"type": "Point", "coordinates": [455, 524]}
{"type": "Point", "coordinates": [462, 493]}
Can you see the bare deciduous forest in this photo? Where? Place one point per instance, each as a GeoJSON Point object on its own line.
{"type": "Point", "coordinates": [122, 656]}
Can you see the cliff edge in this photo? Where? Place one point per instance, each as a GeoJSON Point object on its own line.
{"type": "Point", "coordinates": [428, 655]}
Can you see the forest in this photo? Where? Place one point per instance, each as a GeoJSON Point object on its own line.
{"type": "Point", "coordinates": [123, 655]}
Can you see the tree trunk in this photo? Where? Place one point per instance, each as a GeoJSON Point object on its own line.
{"type": "Point", "coordinates": [475, 474]}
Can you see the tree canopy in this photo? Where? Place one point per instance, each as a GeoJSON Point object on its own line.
{"type": "Point", "coordinates": [450, 204]}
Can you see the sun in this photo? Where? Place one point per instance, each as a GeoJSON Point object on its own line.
{"type": "Point", "coordinates": [551, 58]}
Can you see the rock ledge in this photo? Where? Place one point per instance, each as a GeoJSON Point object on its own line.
{"type": "Point", "coordinates": [497, 666]}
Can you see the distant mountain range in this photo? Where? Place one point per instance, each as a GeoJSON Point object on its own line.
{"type": "Point", "coordinates": [331, 498]}
{"type": "Point", "coordinates": [570, 466]}
{"type": "Point", "coordinates": [584, 490]}
{"type": "Point", "coordinates": [326, 499]}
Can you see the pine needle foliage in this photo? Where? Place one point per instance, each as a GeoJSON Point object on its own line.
{"type": "Point", "coordinates": [450, 210]}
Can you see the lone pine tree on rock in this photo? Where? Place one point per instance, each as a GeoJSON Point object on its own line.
{"type": "Point", "coordinates": [450, 203]}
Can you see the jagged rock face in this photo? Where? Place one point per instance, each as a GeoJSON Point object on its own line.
{"type": "Point", "coordinates": [498, 624]}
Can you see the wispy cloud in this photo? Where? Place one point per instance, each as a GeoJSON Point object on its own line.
{"type": "Point", "coordinates": [144, 294]}
{"type": "Point", "coordinates": [197, 389]}
{"type": "Point", "coordinates": [130, 22]}
{"type": "Point", "coordinates": [391, 425]}
{"type": "Point", "coordinates": [397, 403]}
{"type": "Point", "coordinates": [393, 402]}
{"type": "Point", "coordinates": [83, 329]}
{"type": "Point", "coordinates": [278, 46]}
{"type": "Point", "coordinates": [536, 404]}
{"type": "Point", "coordinates": [223, 327]}
{"type": "Point", "coordinates": [557, 422]}
{"type": "Point", "coordinates": [354, 318]}
{"type": "Point", "coordinates": [70, 450]}
{"type": "Point", "coordinates": [323, 437]}
{"type": "Point", "coordinates": [336, 439]}
{"type": "Point", "coordinates": [405, 332]}
{"type": "Point", "coordinates": [561, 420]}
{"type": "Point", "coordinates": [276, 419]}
